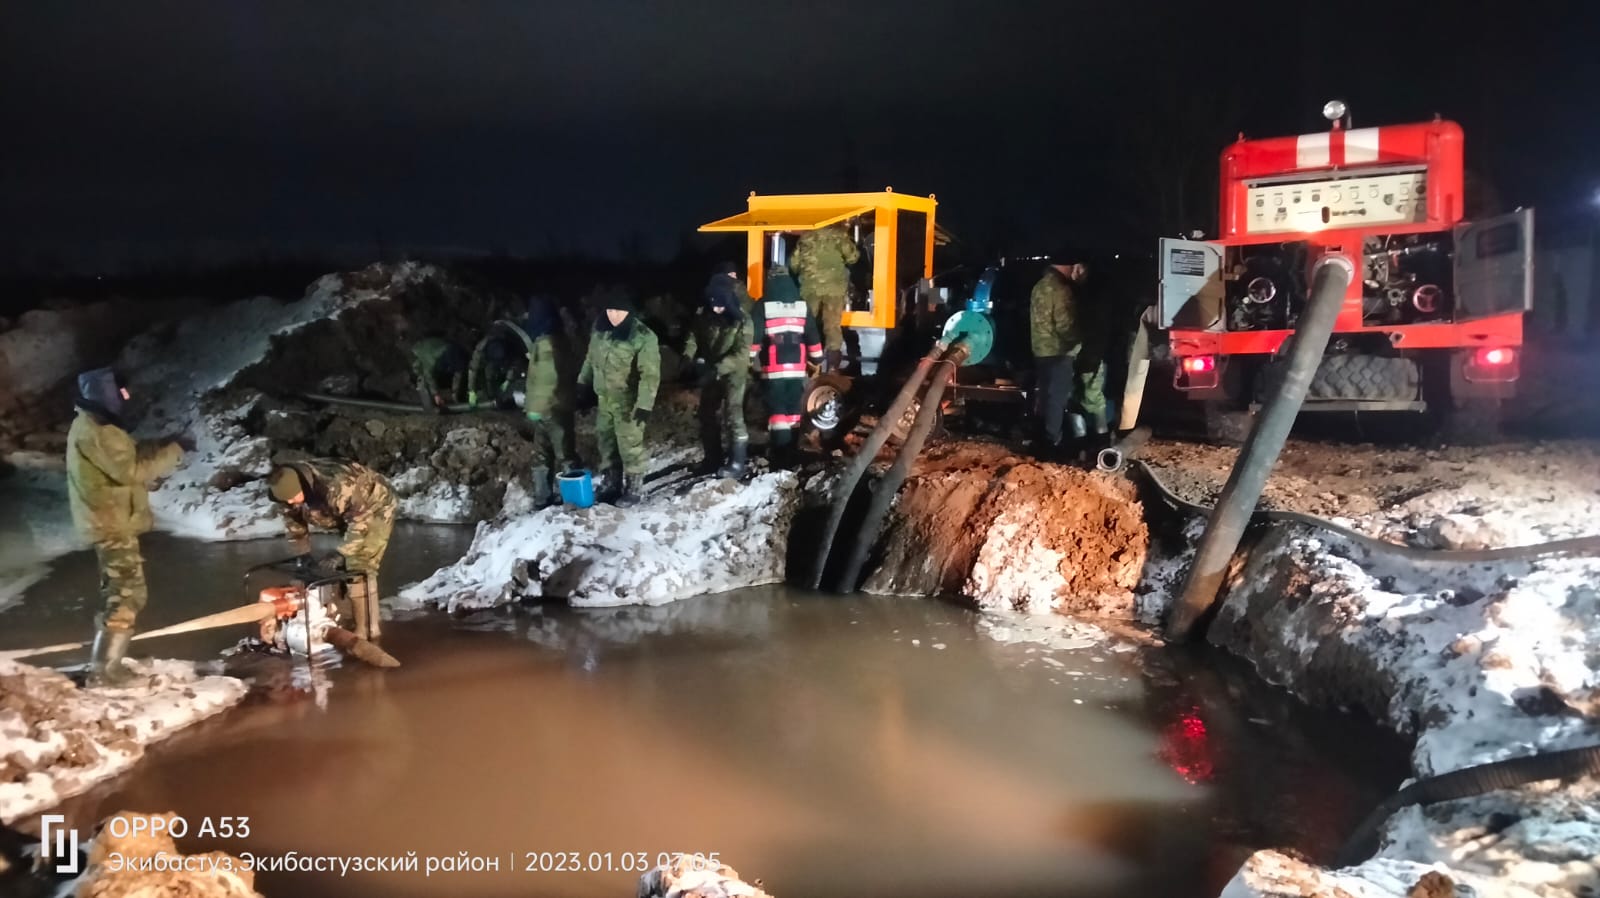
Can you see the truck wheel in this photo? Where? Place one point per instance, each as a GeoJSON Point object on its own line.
{"type": "Point", "coordinates": [826, 403]}
{"type": "Point", "coordinates": [1468, 422]}
{"type": "Point", "coordinates": [1227, 424]}
{"type": "Point", "coordinates": [1354, 376]}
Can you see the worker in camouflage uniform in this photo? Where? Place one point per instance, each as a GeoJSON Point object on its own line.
{"type": "Point", "coordinates": [496, 370]}
{"type": "Point", "coordinates": [784, 336]}
{"type": "Point", "coordinates": [623, 371]}
{"type": "Point", "coordinates": [546, 394]}
{"type": "Point", "coordinates": [822, 263]}
{"type": "Point", "coordinates": [1057, 332]}
{"type": "Point", "coordinates": [332, 494]}
{"type": "Point", "coordinates": [719, 338]}
{"type": "Point", "coordinates": [108, 481]}
{"type": "Point", "coordinates": [725, 282]}
{"type": "Point", "coordinates": [438, 366]}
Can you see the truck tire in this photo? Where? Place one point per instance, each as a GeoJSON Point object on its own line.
{"type": "Point", "coordinates": [1354, 376]}
{"type": "Point", "coordinates": [827, 405]}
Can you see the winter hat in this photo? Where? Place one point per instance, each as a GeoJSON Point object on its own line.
{"type": "Point", "coordinates": [621, 301]}
{"type": "Point", "coordinates": [100, 390]}
{"type": "Point", "coordinates": [728, 267]}
{"type": "Point", "coordinates": [284, 484]}
{"type": "Point", "coordinates": [541, 316]}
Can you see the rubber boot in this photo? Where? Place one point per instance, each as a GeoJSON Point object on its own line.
{"type": "Point", "coordinates": [105, 660]}
{"type": "Point", "coordinates": [632, 484]}
{"type": "Point", "coordinates": [780, 453]}
{"type": "Point", "coordinates": [610, 486]}
{"type": "Point", "coordinates": [374, 609]}
{"type": "Point", "coordinates": [543, 496]}
{"type": "Point", "coordinates": [738, 461]}
{"type": "Point", "coordinates": [833, 362]}
{"type": "Point", "coordinates": [360, 611]}
{"type": "Point", "coordinates": [1099, 436]}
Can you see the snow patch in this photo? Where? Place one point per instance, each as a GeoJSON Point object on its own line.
{"type": "Point", "coordinates": [57, 740]}
{"type": "Point", "coordinates": [716, 536]}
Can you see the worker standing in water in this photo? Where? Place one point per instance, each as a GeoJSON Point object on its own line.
{"type": "Point", "coordinates": [109, 475]}
{"type": "Point", "coordinates": [333, 494]}
{"type": "Point", "coordinates": [822, 263]}
{"type": "Point", "coordinates": [719, 337]}
{"type": "Point", "coordinates": [1057, 334]}
{"type": "Point", "coordinates": [439, 369]}
{"type": "Point", "coordinates": [784, 337]}
{"type": "Point", "coordinates": [623, 371]}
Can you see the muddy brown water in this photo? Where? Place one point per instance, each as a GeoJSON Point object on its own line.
{"type": "Point", "coordinates": [828, 746]}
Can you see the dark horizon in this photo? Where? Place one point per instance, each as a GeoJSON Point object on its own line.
{"type": "Point", "coordinates": [205, 132]}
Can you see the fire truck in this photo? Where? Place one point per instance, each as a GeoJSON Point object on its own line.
{"type": "Point", "coordinates": [1434, 319]}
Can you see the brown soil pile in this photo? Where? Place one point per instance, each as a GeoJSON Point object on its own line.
{"type": "Point", "coordinates": [977, 520]}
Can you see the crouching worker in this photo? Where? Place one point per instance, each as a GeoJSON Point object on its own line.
{"type": "Point", "coordinates": [623, 371]}
{"type": "Point", "coordinates": [108, 481]}
{"type": "Point", "coordinates": [718, 339]}
{"type": "Point", "coordinates": [439, 369]}
{"type": "Point", "coordinates": [785, 336]}
{"type": "Point", "coordinates": [355, 500]}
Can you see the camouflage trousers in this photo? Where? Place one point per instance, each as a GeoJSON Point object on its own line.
{"type": "Point", "coordinates": [722, 411]}
{"type": "Point", "coordinates": [829, 311]}
{"type": "Point", "coordinates": [122, 586]}
{"type": "Point", "coordinates": [620, 437]}
{"type": "Point", "coordinates": [366, 541]}
{"type": "Point", "coordinates": [553, 440]}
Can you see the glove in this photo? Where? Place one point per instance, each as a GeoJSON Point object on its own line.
{"type": "Point", "coordinates": [535, 417]}
{"type": "Point", "coordinates": [472, 398]}
{"type": "Point", "coordinates": [641, 416]}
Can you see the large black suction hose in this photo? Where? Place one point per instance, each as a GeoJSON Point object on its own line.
{"type": "Point", "coordinates": [1329, 279]}
{"type": "Point", "coordinates": [883, 492]}
{"type": "Point", "coordinates": [863, 459]}
{"type": "Point", "coordinates": [1466, 783]}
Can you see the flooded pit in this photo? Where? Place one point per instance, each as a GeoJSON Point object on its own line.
{"type": "Point", "coordinates": [829, 746]}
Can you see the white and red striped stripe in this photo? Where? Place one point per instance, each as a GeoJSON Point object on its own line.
{"type": "Point", "coordinates": [1326, 149]}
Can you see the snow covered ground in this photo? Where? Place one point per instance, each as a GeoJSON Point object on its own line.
{"type": "Point", "coordinates": [1478, 662]}
{"type": "Point", "coordinates": [57, 740]}
{"type": "Point", "coordinates": [714, 536]}
{"type": "Point", "coordinates": [179, 374]}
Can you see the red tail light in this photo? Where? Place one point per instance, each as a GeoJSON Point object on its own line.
{"type": "Point", "coordinates": [1196, 372]}
{"type": "Point", "coordinates": [1497, 357]}
{"type": "Point", "coordinates": [1493, 364]}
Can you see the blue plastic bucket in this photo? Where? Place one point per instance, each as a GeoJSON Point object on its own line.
{"type": "Point", "coordinates": [577, 488]}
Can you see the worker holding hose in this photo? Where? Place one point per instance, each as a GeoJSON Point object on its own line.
{"type": "Point", "coordinates": [439, 369]}
{"type": "Point", "coordinates": [1062, 378]}
{"type": "Point", "coordinates": [334, 494]}
{"type": "Point", "coordinates": [718, 337]}
{"type": "Point", "coordinates": [822, 263]}
{"type": "Point", "coordinates": [784, 336]}
{"type": "Point", "coordinates": [108, 480]}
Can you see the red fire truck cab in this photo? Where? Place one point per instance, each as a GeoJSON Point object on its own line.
{"type": "Point", "coordinates": [1434, 317]}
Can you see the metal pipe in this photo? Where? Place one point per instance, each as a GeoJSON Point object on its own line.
{"type": "Point", "coordinates": [863, 459]}
{"type": "Point", "coordinates": [1329, 280]}
{"type": "Point", "coordinates": [385, 405]}
{"type": "Point", "coordinates": [883, 492]}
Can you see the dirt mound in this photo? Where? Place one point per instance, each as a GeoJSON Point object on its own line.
{"type": "Point", "coordinates": [977, 520]}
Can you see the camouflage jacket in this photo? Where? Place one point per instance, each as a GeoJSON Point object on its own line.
{"type": "Point", "coordinates": [546, 385]}
{"type": "Point", "coordinates": [723, 342]}
{"type": "Point", "coordinates": [109, 475]}
{"type": "Point", "coordinates": [624, 366]}
{"type": "Point", "coordinates": [822, 261]}
{"type": "Point", "coordinates": [1053, 320]}
{"type": "Point", "coordinates": [427, 355]}
{"type": "Point", "coordinates": [339, 495]}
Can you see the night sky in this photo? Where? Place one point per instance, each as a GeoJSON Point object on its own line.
{"type": "Point", "coordinates": [204, 130]}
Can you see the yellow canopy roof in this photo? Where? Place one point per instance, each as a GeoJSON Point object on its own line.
{"type": "Point", "coordinates": [785, 219]}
